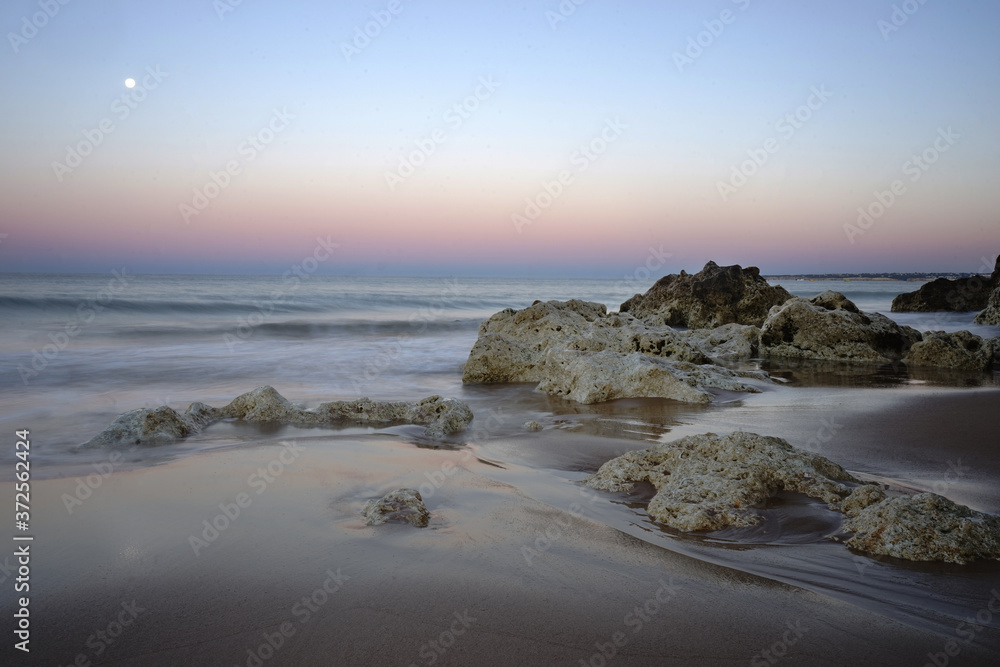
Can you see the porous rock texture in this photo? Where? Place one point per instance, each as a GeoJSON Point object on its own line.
{"type": "Point", "coordinates": [164, 425]}
{"type": "Point", "coordinates": [593, 377]}
{"type": "Point", "coordinates": [925, 527]}
{"type": "Point", "coordinates": [830, 327]}
{"type": "Point", "coordinates": [959, 350]}
{"type": "Point", "coordinates": [709, 481]}
{"type": "Point", "coordinates": [714, 296]}
{"type": "Point", "coordinates": [401, 505]}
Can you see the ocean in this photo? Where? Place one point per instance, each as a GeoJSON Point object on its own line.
{"type": "Point", "coordinates": [77, 350]}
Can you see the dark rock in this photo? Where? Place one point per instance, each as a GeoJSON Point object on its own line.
{"type": "Point", "coordinates": [715, 296]}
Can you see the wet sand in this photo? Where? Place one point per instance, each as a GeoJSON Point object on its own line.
{"type": "Point", "coordinates": [483, 584]}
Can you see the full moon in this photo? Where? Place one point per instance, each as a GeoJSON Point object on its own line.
{"type": "Point", "coordinates": [130, 83]}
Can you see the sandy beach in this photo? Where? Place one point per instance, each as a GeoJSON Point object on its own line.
{"type": "Point", "coordinates": [258, 554]}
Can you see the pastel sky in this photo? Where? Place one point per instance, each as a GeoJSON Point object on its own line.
{"type": "Point", "coordinates": [328, 133]}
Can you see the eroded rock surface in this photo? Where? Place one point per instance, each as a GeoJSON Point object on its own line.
{"type": "Point", "coordinates": [925, 527]}
{"type": "Point", "coordinates": [714, 296]}
{"type": "Point", "coordinates": [830, 327]}
{"type": "Point", "coordinates": [730, 341]}
{"type": "Point", "coordinates": [401, 505]}
{"type": "Point", "coordinates": [593, 377]}
{"type": "Point", "coordinates": [709, 481]}
{"type": "Point", "coordinates": [164, 425]}
{"type": "Point", "coordinates": [960, 350]}
{"type": "Point", "coordinates": [961, 295]}
{"type": "Point", "coordinates": [512, 344]}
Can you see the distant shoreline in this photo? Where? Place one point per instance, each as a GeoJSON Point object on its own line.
{"type": "Point", "coordinates": [885, 277]}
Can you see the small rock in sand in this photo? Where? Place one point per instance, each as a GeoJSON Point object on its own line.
{"type": "Point", "coordinates": [399, 505]}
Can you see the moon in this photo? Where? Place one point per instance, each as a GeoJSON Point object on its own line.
{"type": "Point", "coordinates": [130, 83]}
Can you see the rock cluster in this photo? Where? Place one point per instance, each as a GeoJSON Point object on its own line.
{"type": "Point", "coordinates": [163, 425]}
{"type": "Point", "coordinates": [401, 505]}
{"type": "Point", "coordinates": [709, 482]}
{"type": "Point", "coordinates": [830, 327]}
{"type": "Point", "coordinates": [714, 296]}
{"type": "Point", "coordinates": [576, 349]}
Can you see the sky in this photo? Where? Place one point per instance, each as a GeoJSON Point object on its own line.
{"type": "Point", "coordinates": [581, 138]}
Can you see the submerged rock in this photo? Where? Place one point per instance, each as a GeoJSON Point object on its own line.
{"type": "Point", "coordinates": [830, 327]}
{"type": "Point", "coordinates": [532, 425]}
{"type": "Point", "coordinates": [164, 425]}
{"type": "Point", "coordinates": [593, 377]}
{"type": "Point", "coordinates": [145, 428]}
{"type": "Point", "coordinates": [925, 527]}
{"type": "Point", "coordinates": [709, 481]}
{"type": "Point", "coordinates": [714, 296]}
{"type": "Point", "coordinates": [960, 350]}
{"type": "Point", "coordinates": [399, 505]}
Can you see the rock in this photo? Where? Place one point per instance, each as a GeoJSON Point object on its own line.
{"type": "Point", "coordinates": [593, 377]}
{"type": "Point", "coordinates": [532, 425]}
{"type": "Point", "coordinates": [715, 296]}
{"type": "Point", "coordinates": [399, 505]}
{"type": "Point", "coordinates": [860, 498]}
{"type": "Point", "coordinates": [960, 350]}
{"type": "Point", "coordinates": [512, 344]}
{"type": "Point", "coordinates": [730, 341]}
{"type": "Point", "coordinates": [961, 295]}
{"type": "Point", "coordinates": [925, 527]}
{"type": "Point", "coordinates": [830, 327]}
{"type": "Point", "coordinates": [991, 313]}
{"type": "Point", "coordinates": [145, 428]}
{"type": "Point", "coordinates": [709, 481]}
{"type": "Point", "coordinates": [441, 416]}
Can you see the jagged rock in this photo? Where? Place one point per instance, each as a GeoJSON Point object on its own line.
{"type": "Point", "coordinates": [960, 350]}
{"type": "Point", "coordinates": [593, 377]}
{"type": "Point", "coordinates": [163, 425]}
{"type": "Point", "coordinates": [860, 498]}
{"type": "Point", "coordinates": [532, 425]}
{"type": "Point", "coordinates": [512, 344]}
{"type": "Point", "coordinates": [830, 327]}
{"type": "Point", "coordinates": [991, 314]}
{"type": "Point", "coordinates": [961, 295]}
{"type": "Point", "coordinates": [709, 481]}
{"type": "Point", "coordinates": [925, 527]}
{"type": "Point", "coordinates": [714, 296]}
{"type": "Point", "coordinates": [145, 428]}
{"type": "Point", "coordinates": [730, 341]}
{"type": "Point", "coordinates": [399, 505]}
